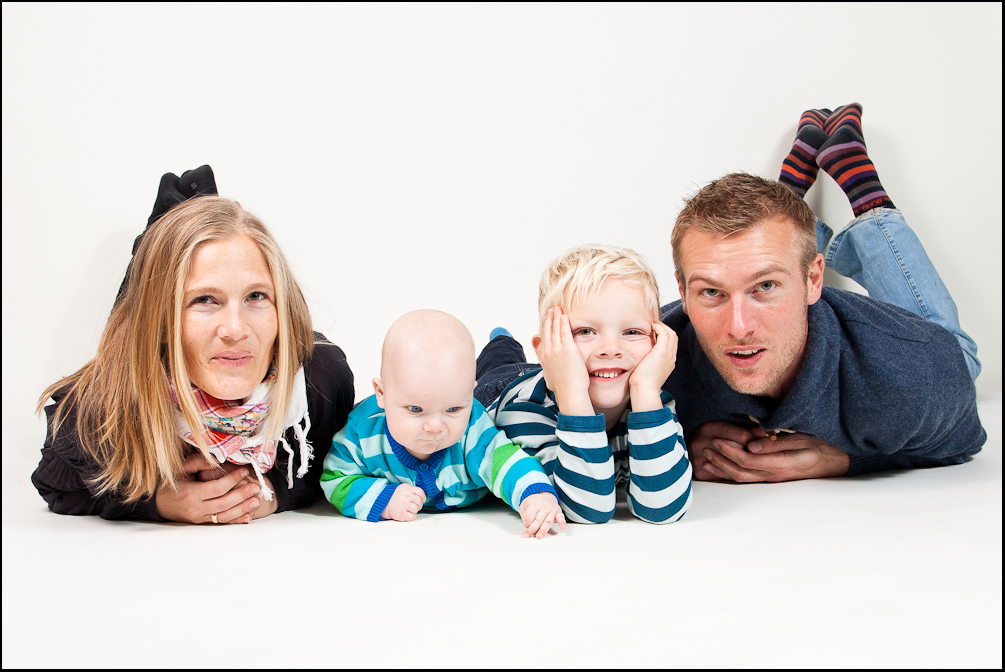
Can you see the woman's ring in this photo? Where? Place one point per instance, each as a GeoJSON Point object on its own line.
{"type": "Point", "coordinates": [213, 517]}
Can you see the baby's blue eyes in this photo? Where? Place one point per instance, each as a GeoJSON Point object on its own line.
{"type": "Point", "coordinates": [418, 409]}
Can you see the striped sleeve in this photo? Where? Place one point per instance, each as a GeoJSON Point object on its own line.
{"type": "Point", "coordinates": [498, 464]}
{"type": "Point", "coordinates": [574, 450]}
{"type": "Point", "coordinates": [660, 486]}
{"type": "Point", "coordinates": [345, 481]}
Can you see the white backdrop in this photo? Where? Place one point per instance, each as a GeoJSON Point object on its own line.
{"type": "Point", "coordinates": [440, 156]}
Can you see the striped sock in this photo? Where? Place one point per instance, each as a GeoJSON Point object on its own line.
{"type": "Point", "coordinates": [799, 169]}
{"type": "Point", "coordinates": [845, 158]}
{"type": "Point", "coordinates": [846, 114]}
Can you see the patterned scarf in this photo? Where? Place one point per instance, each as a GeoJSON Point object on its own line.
{"type": "Point", "coordinates": [232, 430]}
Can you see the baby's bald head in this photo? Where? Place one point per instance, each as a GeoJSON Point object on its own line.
{"type": "Point", "coordinates": [427, 339]}
{"type": "Point", "coordinates": [427, 378]}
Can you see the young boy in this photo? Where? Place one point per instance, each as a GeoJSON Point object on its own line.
{"type": "Point", "coordinates": [422, 442]}
{"type": "Point", "coordinates": [594, 412]}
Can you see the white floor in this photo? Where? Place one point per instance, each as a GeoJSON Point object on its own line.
{"type": "Point", "coordinates": [892, 569]}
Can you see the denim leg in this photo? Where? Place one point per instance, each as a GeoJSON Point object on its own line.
{"type": "Point", "coordinates": [824, 234]}
{"type": "Point", "coordinates": [880, 252]}
{"type": "Point", "coordinates": [500, 363]}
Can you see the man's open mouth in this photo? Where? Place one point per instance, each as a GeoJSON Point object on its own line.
{"type": "Point", "coordinates": [745, 357]}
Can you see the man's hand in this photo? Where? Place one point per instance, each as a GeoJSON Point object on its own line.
{"type": "Point", "coordinates": [538, 512]}
{"type": "Point", "coordinates": [790, 457]}
{"type": "Point", "coordinates": [654, 369]}
{"type": "Point", "coordinates": [564, 369]}
{"type": "Point", "coordinates": [705, 439]}
{"type": "Point", "coordinates": [232, 496]}
{"type": "Point", "coordinates": [405, 503]}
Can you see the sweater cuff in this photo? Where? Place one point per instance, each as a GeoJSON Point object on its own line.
{"type": "Point", "coordinates": [151, 509]}
{"type": "Point", "coordinates": [582, 423]}
{"type": "Point", "coordinates": [647, 419]}
{"type": "Point", "coordinates": [380, 503]}
{"type": "Point", "coordinates": [536, 488]}
{"type": "Point", "coordinates": [864, 464]}
{"type": "Point", "coordinates": [280, 490]}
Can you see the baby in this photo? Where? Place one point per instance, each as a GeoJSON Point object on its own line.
{"type": "Point", "coordinates": [594, 412]}
{"type": "Point", "coordinates": [423, 442]}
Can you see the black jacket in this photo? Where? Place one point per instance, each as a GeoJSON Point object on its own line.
{"type": "Point", "coordinates": [63, 473]}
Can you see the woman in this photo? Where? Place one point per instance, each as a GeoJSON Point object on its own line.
{"type": "Point", "coordinates": [209, 299]}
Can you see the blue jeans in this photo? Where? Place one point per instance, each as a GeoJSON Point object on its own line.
{"type": "Point", "coordinates": [880, 252]}
{"type": "Point", "coordinates": [500, 363]}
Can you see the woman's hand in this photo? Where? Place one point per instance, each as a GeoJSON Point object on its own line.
{"type": "Point", "coordinates": [231, 496]}
{"type": "Point", "coordinates": [564, 369]}
{"type": "Point", "coordinates": [265, 507]}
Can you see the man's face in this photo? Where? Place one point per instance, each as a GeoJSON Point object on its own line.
{"type": "Point", "coordinates": [747, 297]}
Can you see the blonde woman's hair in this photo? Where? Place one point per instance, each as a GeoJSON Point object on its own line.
{"type": "Point", "coordinates": [581, 271]}
{"type": "Point", "coordinates": [122, 400]}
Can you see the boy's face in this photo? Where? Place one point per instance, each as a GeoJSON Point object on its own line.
{"type": "Point", "coordinates": [613, 330]}
{"type": "Point", "coordinates": [427, 401]}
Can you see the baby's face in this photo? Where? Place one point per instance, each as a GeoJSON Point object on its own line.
{"type": "Point", "coordinates": [613, 330]}
{"type": "Point", "coordinates": [427, 404]}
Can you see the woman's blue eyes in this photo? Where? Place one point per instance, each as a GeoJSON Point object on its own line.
{"type": "Point", "coordinates": [207, 299]}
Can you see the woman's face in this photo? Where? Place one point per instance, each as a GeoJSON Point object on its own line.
{"type": "Point", "coordinates": [229, 321]}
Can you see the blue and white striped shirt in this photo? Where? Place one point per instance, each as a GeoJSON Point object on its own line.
{"type": "Point", "coordinates": [644, 449]}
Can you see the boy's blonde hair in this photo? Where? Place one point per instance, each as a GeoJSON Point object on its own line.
{"type": "Point", "coordinates": [581, 271]}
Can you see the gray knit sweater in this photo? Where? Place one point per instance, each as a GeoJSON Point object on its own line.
{"type": "Point", "coordinates": [885, 386]}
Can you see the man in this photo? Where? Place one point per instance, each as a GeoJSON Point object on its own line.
{"type": "Point", "coordinates": [779, 378]}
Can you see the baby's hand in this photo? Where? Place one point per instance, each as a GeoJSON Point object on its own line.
{"type": "Point", "coordinates": [405, 503]}
{"type": "Point", "coordinates": [538, 512]}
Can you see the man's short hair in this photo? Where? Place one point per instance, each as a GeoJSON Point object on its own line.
{"type": "Point", "coordinates": [581, 271]}
{"type": "Point", "coordinates": [737, 202]}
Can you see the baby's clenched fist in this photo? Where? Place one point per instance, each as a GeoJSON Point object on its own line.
{"type": "Point", "coordinates": [405, 503]}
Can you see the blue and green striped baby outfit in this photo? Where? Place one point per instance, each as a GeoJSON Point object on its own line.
{"type": "Point", "coordinates": [365, 465]}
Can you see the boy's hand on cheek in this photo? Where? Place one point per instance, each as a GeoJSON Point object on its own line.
{"type": "Point", "coordinates": [539, 512]}
{"type": "Point", "coordinates": [654, 369]}
{"type": "Point", "coordinates": [405, 503]}
{"type": "Point", "coordinates": [564, 369]}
